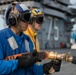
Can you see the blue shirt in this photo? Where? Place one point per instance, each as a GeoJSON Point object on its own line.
{"type": "Point", "coordinates": [11, 44]}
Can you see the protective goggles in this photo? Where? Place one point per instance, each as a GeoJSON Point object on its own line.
{"type": "Point", "coordinates": [40, 19]}
{"type": "Point", "coordinates": [25, 17]}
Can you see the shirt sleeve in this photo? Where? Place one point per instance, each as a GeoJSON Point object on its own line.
{"type": "Point", "coordinates": [6, 66]}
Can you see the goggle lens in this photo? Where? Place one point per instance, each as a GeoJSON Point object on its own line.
{"type": "Point", "coordinates": [25, 17]}
{"type": "Point", "coordinates": [40, 20]}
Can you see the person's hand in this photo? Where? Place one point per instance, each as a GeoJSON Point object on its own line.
{"type": "Point", "coordinates": [37, 55]}
{"type": "Point", "coordinates": [54, 65]}
{"type": "Point", "coordinates": [25, 61]}
{"type": "Point", "coordinates": [40, 55]}
{"type": "Point", "coordinates": [47, 67]}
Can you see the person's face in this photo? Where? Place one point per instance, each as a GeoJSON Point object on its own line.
{"type": "Point", "coordinates": [38, 23]}
{"type": "Point", "coordinates": [37, 26]}
{"type": "Point", "coordinates": [23, 21]}
{"type": "Point", "coordinates": [23, 25]}
{"type": "Point", "coordinates": [20, 27]}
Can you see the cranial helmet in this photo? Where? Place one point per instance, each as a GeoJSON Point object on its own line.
{"type": "Point", "coordinates": [36, 12]}
{"type": "Point", "coordinates": [12, 18]}
{"type": "Point", "coordinates": [38, 15]}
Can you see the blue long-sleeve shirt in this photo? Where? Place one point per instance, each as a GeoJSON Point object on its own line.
{"type": "Point", "coordinates": [11, 44]}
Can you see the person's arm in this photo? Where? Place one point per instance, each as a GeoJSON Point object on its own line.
{"type": "Point", "coordinates": [45, 68]}
{"type": "Point", "coordinates": [6, 66]}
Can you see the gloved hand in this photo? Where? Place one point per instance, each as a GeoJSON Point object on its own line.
{"type": "Point", "coordinates": [55, 64]}
{"type": "Point", "coordinates": [39, 55]}
{"type": "Point", "coordinates": [35, 54]}
{"type": "Point", "coordinates": [25, 61]}
{"type": "Point", "coordinates": [47, 67]}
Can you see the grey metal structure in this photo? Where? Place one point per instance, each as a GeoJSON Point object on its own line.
{"type": "Point", "coordinates": [55, 32]}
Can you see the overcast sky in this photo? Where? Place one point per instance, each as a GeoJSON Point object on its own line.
{"type": "Point", "coordinates": [73, 1]}
{"type": "Point", "coordinates": [1, 20]}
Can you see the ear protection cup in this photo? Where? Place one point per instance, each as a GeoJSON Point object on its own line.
{"type": "Point", "coordinates": [12, 19]}
{"type": "Point", "coordinates": [7, 14]}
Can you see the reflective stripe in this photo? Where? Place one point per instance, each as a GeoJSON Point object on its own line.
{"type": "Point", "coordinates": [24, 7]}
{"type": "Point", "coordinates": [12, 43]}
{"type": "Point", "coordinates": [27, 45]}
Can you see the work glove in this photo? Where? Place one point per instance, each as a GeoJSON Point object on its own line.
{"type": "Point", "coordinates": [46, 67]}
{"type": "Point", "coordinates": [40, 55]}
{"type": "Point", "coordinates": [25, 61]}
{"type": "Point", "coordinates": [74, 60]}
{"type": "Point", "coordinates": [55, 64]}
{"type": "Point", "coordinates": [35, 54]}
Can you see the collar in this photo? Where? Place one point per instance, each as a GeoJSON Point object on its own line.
{"type": "Point", "coordinates": [31, 31]}
{"type": "Point", "coordinates": [16, 36]}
